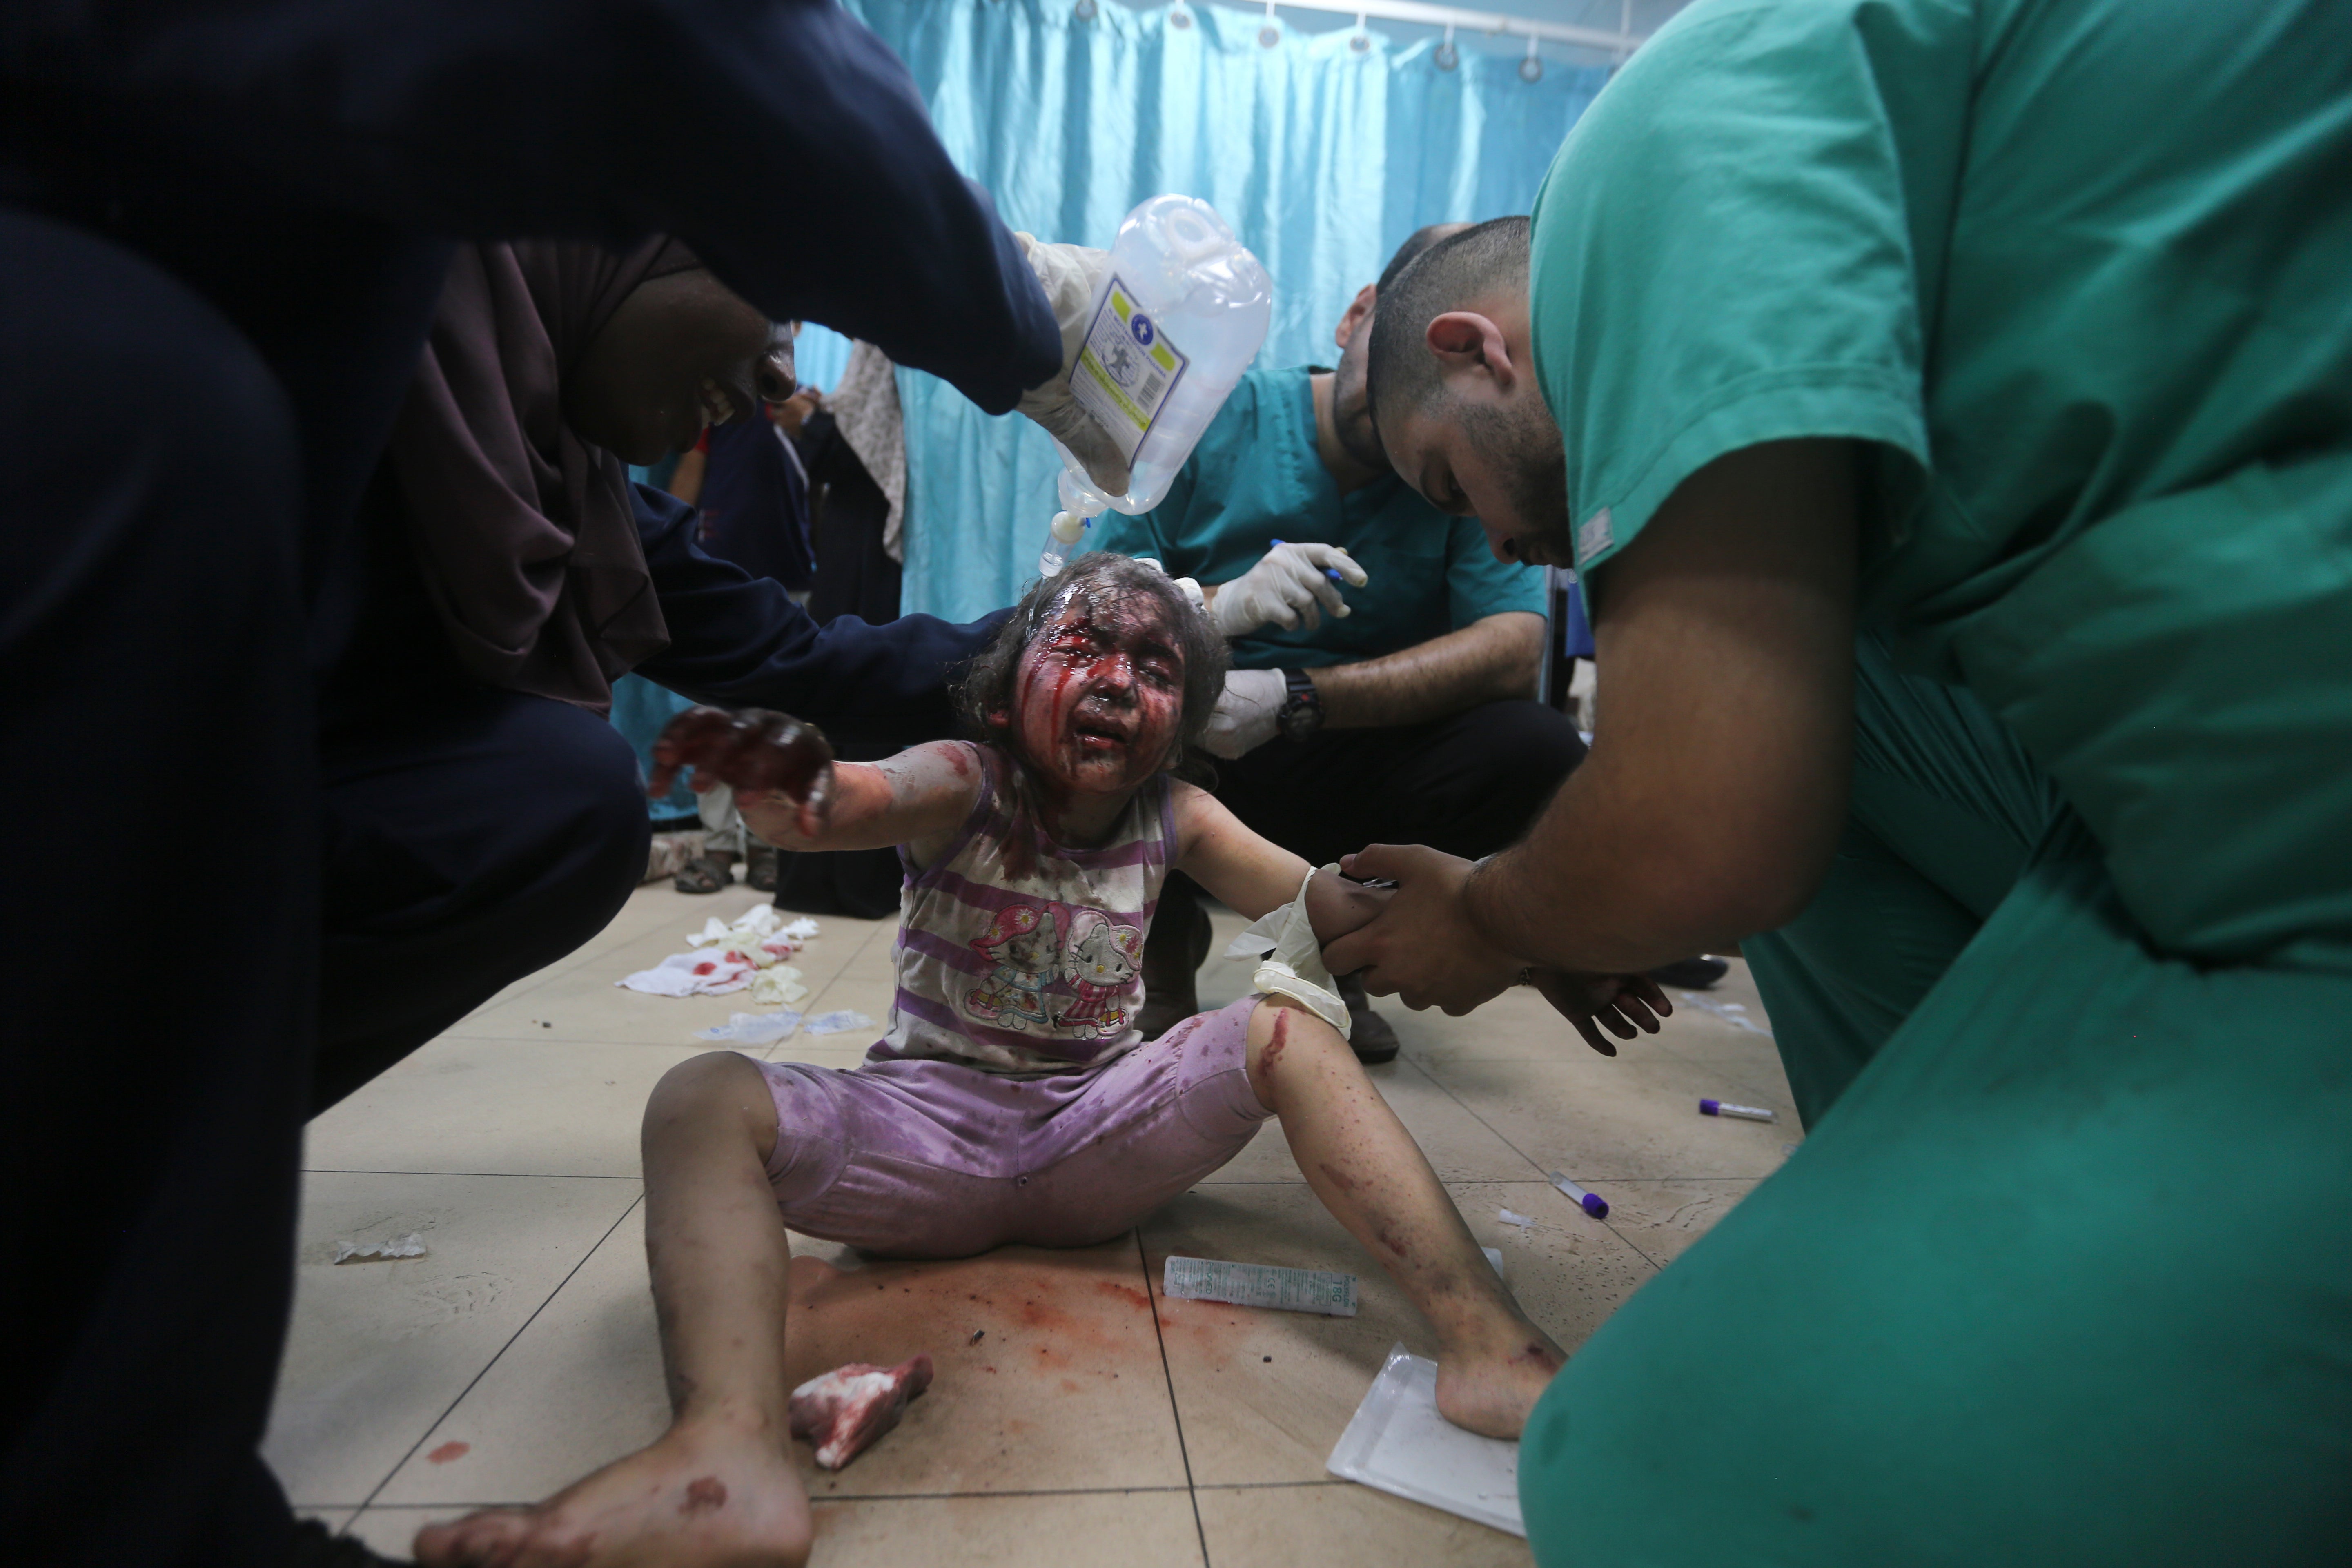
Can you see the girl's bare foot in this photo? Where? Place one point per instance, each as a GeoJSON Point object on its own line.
{"type": "Point", "coordinates": [704, 1496]}
{"type": "Point", "coordinates": [1491, 1389]}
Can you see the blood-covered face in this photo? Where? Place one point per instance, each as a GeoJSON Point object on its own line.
{"type": "Point", "coordinates": [1100, 695]}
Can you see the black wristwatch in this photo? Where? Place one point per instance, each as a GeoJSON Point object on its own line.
{"type": "Point", "coordinates": [1302, 709]}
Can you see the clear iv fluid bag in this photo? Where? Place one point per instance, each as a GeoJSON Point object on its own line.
{"type": "Point", "coordinates": [1182, 310]}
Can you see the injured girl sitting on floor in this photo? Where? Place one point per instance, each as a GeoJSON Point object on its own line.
{"type": "Point", "coordinates": [1011, 1099]}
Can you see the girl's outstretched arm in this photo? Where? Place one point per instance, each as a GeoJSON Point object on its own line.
{"type": "Point", "coordinates": [1252, 873]}
{"type": "Point", "coordinates": [922, 792]}
{"type": "Point", "coordinates": [796, 796]}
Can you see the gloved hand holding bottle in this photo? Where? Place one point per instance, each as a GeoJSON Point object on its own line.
{"type": "Point", "coordinates": [1285, 587]}
{"type": "Point", "coordinates": [1071, 275]}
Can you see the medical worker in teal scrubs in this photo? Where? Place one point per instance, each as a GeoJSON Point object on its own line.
{"type": "Point", "coordinates": [1950, 403]}
{"type": "Point", "coordinates": [1385, 662]}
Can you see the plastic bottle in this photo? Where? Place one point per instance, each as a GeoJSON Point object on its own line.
{"type": "Point", "coordinates": [1182, 311]}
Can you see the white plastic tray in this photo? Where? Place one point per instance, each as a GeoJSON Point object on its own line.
{"type": "Point", "coordinates": [1398, 1443]}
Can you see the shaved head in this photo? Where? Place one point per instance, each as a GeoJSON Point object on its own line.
{"type": "Point", "coordinates": [1351, 414]}
{"type": "Point", "coordinates": [1452, 395]}
{"type": "Point", "coordinates": [1452, 274]}
{"type": "Point", "coordinates": [1416, 242]}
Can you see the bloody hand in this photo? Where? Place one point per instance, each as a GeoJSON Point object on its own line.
{"type": "Point", "coordinates": [754, 753]}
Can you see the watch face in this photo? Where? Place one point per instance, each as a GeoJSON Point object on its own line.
{"type": "Point", "coordinates": [1302, 709]}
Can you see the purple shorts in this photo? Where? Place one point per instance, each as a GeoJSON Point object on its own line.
{"type": "Point", "coordinates": [924, 1158]}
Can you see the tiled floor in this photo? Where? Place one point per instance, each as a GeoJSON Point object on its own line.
{"type": "Point", "coordinates": [1093, 1421]}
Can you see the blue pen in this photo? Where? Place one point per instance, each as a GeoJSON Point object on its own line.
{"type": "Point", "coordinates": [1330, 572]}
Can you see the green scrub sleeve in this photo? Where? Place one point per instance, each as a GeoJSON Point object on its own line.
{"type": "Point", "coordinates": [1727, 246]}
{"type": "Point", "coordinates": [1148, 534]}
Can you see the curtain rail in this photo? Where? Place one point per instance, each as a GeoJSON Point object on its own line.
{"type": "Point", "coordinates": [1458, 17]}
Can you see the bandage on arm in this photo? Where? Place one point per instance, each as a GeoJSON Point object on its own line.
{"type": "Point", "coordinates": [1250, 873]}
{"type": "Point", "coordinates": [1287, 943]}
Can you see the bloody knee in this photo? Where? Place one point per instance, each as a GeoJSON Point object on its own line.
{"type": "Point", "coordinates": [1285, 1042]}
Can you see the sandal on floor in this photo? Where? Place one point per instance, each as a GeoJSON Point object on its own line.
{"type": "Point", "coordinates": [760, 867]}
{"type": "Point", "coordinates": [703, 875]}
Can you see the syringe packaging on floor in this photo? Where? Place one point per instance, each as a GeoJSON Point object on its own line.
{"type": "Point", "coordinates": [1261, 1285]}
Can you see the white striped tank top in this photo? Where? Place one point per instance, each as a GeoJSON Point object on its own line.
{"type": "Point", "coordinates": [1019, 954]}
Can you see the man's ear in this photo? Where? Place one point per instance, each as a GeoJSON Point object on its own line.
{"type": "Point", "coordinates": [1467, 343]}
{"type": "Point", "coordinates": [1359, 313]}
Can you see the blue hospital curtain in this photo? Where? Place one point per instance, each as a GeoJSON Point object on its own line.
{"type": "Point", "coordinates": [1322, 157]}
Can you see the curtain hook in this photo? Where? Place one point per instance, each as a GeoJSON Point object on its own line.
{"type": "Point", "coordinates": [1362, 41]}
{"type": "Point", "coordinates": [1180, 14]}
{"type": "Point", "coordinates": [1084, 10]}
{"type": "Point", "coordinates": [1532, 69]}
{"type": "Point", "coordinates": [1269, 35]}
{"type": "Point", "coordinates": [1447, 56]}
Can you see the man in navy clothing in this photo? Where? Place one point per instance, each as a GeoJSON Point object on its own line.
{"type": "Point", "coordinates": [244, 211]}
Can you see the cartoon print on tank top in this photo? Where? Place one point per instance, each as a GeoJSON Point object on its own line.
{"type": "Point", "coordinates": [1019, 954]}
{"type": "Point", "coordinates": [1023, 943]}
{"type": "Point", "coordinates": [1100, 961]}
{"type": "Point", "coordinates": [1057, 969]}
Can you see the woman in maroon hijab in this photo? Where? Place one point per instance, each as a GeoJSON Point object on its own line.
{"type": "Point", "coordinates": [482, 818]}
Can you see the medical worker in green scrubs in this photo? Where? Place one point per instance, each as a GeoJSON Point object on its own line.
{"type": "Point", "coordinates": [1393, 699]}
{"type": "Point", "coordinates": [1950, 402]}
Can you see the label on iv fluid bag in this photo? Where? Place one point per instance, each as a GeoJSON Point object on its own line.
{"type": "Point", "coordinates": [1126, 370]}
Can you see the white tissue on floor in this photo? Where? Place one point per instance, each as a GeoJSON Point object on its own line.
{"type": "Point", "coordinates": [837, 1022]}
{"type": "Point", "coordinates": [778, 987]}
{"type": "Point", "coordinates": [753, 1028]}
{"type": "Point", "coordinates": [761, 935]}
{"type": "Point", "coordinates": [731, 958]}
{"type": "Point", "coordinates": [692, 974]}
{"type": "Point", "coordinates": [409, 1246]}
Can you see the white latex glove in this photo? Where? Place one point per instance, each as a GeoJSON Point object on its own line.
{"type": "Point", "coordinates": [1284, 588]}
{"type": "Point", "coordinates": [1246, 715]}
{"type": "Point", "coordinates": [1290, 961]}
{"type": "Point", "coordinates": [1071, 275]}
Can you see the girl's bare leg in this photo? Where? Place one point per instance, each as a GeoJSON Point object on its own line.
{"type": "Point", "coordinates": [720, 1487]}
{"type": "Point", "coordinates": [1492, 1362]}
